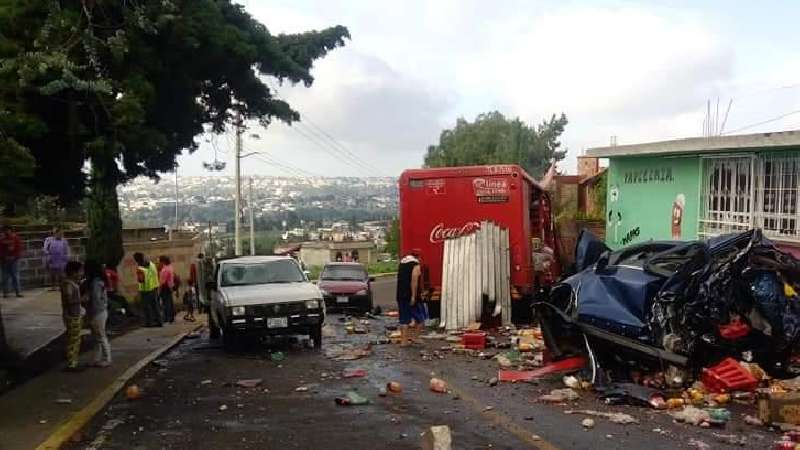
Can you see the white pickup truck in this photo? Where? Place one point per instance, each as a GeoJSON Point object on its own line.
{"type": "Point", "coordinates": [258, 296]}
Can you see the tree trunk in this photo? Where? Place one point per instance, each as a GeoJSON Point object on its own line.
{"type": "Point", "coordinates": [105, 225]}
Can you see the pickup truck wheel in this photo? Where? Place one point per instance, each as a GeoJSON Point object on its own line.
{"type": "Point", "coordinates": [230, 340]}
{"type": "Point", "coordinates": [316, 336]}
{"type": "Point", "coordinates": [213, 328]}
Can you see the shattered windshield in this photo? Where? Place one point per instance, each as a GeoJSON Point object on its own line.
{"type": "Point", "coordinates": [285, 271]}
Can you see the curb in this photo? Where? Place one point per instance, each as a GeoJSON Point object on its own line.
{"type": "Point", "coordinates": [78, 420]}
{"type": "Point", "coordinates": [384, 275]}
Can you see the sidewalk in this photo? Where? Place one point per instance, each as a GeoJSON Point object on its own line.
{"type": "Point", "coordinates": [31, 413]}
{"type": "Point", "coordinates": [33, 321]}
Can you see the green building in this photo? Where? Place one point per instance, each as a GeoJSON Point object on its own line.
{"type": "Point", "coordinates": [702, 187]}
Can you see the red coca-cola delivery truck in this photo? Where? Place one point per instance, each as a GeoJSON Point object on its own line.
{"type": "Point", "coordinates": [441, 203]}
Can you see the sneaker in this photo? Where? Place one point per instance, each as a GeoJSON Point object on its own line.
{"type": "Point", "coordinates": [20, 295]}
{"type": "Point", "coordinates": [101, 364]}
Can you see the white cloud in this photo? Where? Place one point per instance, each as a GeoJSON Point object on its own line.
{"type": "Point", "coordinates": [638, 72]}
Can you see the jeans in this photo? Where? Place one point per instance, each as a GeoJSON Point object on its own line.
{"type": "Point", "coordinates": [168, 304]}
{"type": "Point", "coordinates": [73, 340]}
{"type": "Point", "coordinates": [11, 276]}
{"type": "Point", "coordinates": [102, 347]}
{"type": "Point", "coordinates": [150, 306]}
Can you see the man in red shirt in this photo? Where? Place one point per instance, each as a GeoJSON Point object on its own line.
{"type": "Point", "coordinates": [10, 253]}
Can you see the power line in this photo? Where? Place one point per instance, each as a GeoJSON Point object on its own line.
{"type": "Point", "coordinates": [774, 119]}
{"type": "Point", "coordinates": [328, 142]}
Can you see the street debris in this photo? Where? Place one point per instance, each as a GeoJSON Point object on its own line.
{"type": "Point", "coordinates": [204, 382]}
{"type": "Point", "coordinates": [301, 389]}
{"type": "Point", "coordinates": [783, 407]}
{"type": "Point", "coordinates": [493, 381]}
{"type": "Point", "coordinates": [133, 392]}
{"type": "Point", "coordinates": [437, 438]}
{"type": "Point", "coordinates": [277, 356]}
{"type": "Point", "coordinates": [692, 416]}
{"type": "Point", "coordinates": [587, 423]}
{"type": "Point", "coordinates": [351, 398]}
{"type": "Point", "coordinates": [614, 417]}
{"type": "Point", "coordinates": [354, 373]}
{"type": "Point", "coordinates": [223, 407]}
{"type": "Point", "coordinates": [394, 387]}
{"type": "Point", "coordinates": [64, 401]}
{"type": "Point", "coordinates": [488, 408]}
{"type": "Point", "coordinates": [251, 383]}
{"type": "Point", "coordinates": [438, 385]}
{"type": "Point", "coordinates": [698, 444]}
{"type": "Point", "coordinates": [347, 352]}
{"type": "Point", "coordinates": [560, 396]}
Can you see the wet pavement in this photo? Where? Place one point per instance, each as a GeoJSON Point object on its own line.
{"type": "Point", "coordinates": [190, 400]}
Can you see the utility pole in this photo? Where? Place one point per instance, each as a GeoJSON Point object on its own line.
{"type": "Point", "coordinates": [177, 201]}
{"type": "Point", "coordinates": [237, 179]}
{"type": "Point", "coordinates": [250, 210]}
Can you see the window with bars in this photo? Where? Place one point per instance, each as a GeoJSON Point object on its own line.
{"type": "Point", "coordinates": [743, 192]}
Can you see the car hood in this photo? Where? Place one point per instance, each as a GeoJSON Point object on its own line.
{"type": "Point", "coordinates": [342, 287]}
{"type": "Point", "coordinates": [260, 294]}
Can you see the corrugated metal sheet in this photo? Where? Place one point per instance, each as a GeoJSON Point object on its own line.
{"type": "Point", "coordinates": [476, 269]}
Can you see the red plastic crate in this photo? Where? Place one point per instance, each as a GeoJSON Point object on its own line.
{"type": "Point", "coordinates": [475, 340]}
{"type": "Point", "coordinates": [728, 376]}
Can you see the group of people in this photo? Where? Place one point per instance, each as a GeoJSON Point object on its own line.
{"type": "Point", "coordinates": [56, 256]}
{"type": "Point", "coordinates": [83, 287]}
{"type": "Point", "coordinates": [158, 285]}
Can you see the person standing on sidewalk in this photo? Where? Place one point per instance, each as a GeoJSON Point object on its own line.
{"type": "Point", "coordinates": [166, 279]}
{"type": "Point", "coordinates": [56, 254]}
{"type": "Point", "coordinates": [97, 309]}
{"type": "Point", "coordinates": [10, 253]}
{"type": "Point", "coordinates": [71, 312]}
{"type": "Point", "coordinates": [147, 276]}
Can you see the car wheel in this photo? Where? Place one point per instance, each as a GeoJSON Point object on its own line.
{"type": "Point", "coordinates": [316, 336]}
{"type": "Point", "coordinates": [213, 328]}
{"type": "Point", "coordinates": [230, 340]}
{"type": "Point", "coordinates": [369, 307]}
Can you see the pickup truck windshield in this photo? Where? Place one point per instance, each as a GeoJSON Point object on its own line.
{"type": "Point", "coordinates": [344, 273]}
{"type": "Point", "coordinates": [261, 273]}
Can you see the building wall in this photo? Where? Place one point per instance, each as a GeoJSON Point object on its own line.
{"type": "Point", "coordinates": [182, 252]}
{"type": "Point", "coordinates": [643, 195]}
{"type": "Point", "coordinates": [315, 256]}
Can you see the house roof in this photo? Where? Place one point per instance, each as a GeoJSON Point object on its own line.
{"type": "Point", "coordinates": [715, 144]}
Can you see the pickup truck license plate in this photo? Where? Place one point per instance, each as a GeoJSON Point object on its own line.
{"type": "Point", "coordinates": [277, 322]}
{"type": "Point", "coordinates": [341, 299]}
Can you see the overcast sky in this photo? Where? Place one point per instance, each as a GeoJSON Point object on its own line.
{"type": "Point", "coordinates": [640, 71]}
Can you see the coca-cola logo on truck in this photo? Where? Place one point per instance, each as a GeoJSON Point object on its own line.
{"type": "Point", "coordinates": [439, 233]}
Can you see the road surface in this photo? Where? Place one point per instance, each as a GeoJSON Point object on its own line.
{"type": "Point", "coordinates": [191, 401]}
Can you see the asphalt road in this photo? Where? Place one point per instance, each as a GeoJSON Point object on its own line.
{"type": "Point", "coordinates": [190, 401]}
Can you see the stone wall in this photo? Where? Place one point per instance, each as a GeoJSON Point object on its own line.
{"type": "Point", "coordinates": [32, 270]}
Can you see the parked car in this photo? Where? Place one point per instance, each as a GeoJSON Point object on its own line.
{"type": "Point", "coordinates": [258, 296]}
{"type": "Point", "coordinates": [346, 286]}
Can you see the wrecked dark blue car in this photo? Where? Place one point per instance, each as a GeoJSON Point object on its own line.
{"type": "Point", "coordinates": [683, 303]}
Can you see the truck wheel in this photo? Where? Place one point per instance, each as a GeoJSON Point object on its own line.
{"type": "Point", "coordinates": [316, 335]}
{"type": "Point", "coordinates": [230, 341]}
{"type": "Point", "coordinates": [213, 328]}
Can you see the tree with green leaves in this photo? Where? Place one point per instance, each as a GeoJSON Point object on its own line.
{"type": "Point", "coordinates": [129, 85]}
{"type": "Point", "coordinates": [393, 238]}
{"type": "Point", "coordinates": [494, 139]}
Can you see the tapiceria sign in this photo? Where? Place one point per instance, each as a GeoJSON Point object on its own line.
{"type": "Point", "coordinates": [445, 203]}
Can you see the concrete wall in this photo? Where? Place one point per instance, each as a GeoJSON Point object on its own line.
{"type": "Point", "coordinates": [319, 255]}
{"type": "Point", "coordinates": [182, 252]}
{"type": "Point", "coordinates": [32, 269]}
{"type": "Point", "coordinates": [644, 191]}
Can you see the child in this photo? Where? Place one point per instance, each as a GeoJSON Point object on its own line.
{"type": "Point", "coordinates": [189, 301]}
{"type": "Point", "coordinates": [71, 311]}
